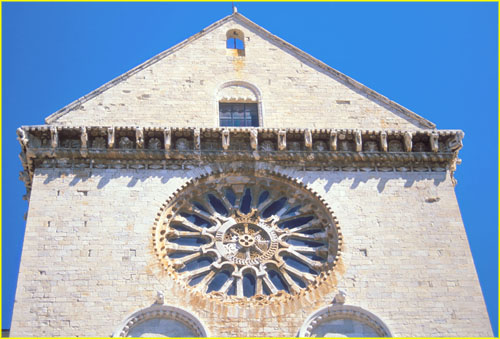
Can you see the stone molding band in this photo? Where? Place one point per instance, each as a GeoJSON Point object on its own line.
{"type": "Point", "coordinates": [135, 147]}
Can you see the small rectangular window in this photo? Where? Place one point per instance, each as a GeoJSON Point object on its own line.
{"type": "Point", "coordinates": [238, 114]}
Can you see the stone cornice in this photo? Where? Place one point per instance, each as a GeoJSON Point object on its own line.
{"type": "Point", "coordinates": [170, 147]}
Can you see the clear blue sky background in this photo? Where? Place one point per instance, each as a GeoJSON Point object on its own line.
{"type": "Point", "coordinates": [437, 59]}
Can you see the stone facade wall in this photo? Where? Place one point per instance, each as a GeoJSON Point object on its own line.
{"type": "Point", "coordinates": [88, 259]}
{"type": "Point", "coordinates": [181, 90]}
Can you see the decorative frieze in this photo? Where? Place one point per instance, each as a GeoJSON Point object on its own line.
{"type": "Point", "coordinates": [148, 147]}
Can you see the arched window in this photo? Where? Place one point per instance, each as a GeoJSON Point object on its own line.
{"type": "Point", "coordinates": [239, 106]}
{"type": "Point", "coordinates": [343, 321]}
{"type": "Point", "coordinates": [161, 321]}
{"type": "Point", "coordinates": [235, 39]}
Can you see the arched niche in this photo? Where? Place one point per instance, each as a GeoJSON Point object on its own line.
{"type": "Point", "coordinates": [161, 321]}
{"type": "Point", "coordinates": [239, 96]}
{"type": "Point", "coordinates": [343, 321]}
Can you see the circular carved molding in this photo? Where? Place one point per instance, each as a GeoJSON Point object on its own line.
{"type": "Point", "coordinates": [343, 312]}
{"type": "Point", "coordinates": [246, 234]}
{"type": "Point", "coordinates": [189, 323]}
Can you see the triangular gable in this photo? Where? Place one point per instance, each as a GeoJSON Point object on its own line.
{"type": "Point", "coordinates": [61, 116]}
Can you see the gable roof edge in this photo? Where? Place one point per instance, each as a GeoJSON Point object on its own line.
{"type": "Point", "coordinates": [68, 108]}
{"type": "Point", "coordinates": [368, 91]}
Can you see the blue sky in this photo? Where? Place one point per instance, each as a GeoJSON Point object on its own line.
{"type": "Point", "coordinates": [440, 60]}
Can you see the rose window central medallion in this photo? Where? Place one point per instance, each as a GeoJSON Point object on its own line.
{"type": "Point", "coordinates": [247, 239]}
{"type": "Point", "coordinates": [244, 235]}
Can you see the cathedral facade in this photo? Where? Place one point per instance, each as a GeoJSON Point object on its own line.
{"type": "Point", "coordinates": [233, 185]}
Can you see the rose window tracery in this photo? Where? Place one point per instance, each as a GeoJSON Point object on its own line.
{"type": "Point", "coordinates": [246, 235]}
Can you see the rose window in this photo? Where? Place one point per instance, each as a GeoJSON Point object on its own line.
{"type": "Point", "coordinates": [235, 235]}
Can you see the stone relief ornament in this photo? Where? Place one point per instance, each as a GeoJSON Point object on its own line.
{"type": "Point", "coordinates": [154, 144]}
{"type": "Point", "coordinates": [245, 235]}
{"type": "Point", "coordinates": [267, 146]}
{"type": "Point", "coordinates": [182, 144]}
{"type": "Point", "coordinates": [320, 146]}
{"type": "Point", "coordinates": [99, 143]}
{"type": "Point", "coordinates": [125, 143]}
{"type": "Point", "coordinates": [395, 146]}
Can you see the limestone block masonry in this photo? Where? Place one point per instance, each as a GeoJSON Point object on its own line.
{"type": "Point", "coordinates": [333, 214]}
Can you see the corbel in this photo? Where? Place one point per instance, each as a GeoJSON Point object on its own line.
{"type": "Point", "coordinates": [359, 141]}
{"type": "Point", "coordinates": [282, 140]}
{"type": "Point", "coordinates": [84, 137]}
{"type": "Point", "coordinates": [139, 137]}
{"type": "Point", "coordinates": [333, 141]}
{"type": "Point", "coordinates": [196, 139]}
{"type": "Point", "coordinates": [254, 140]}
{"type": "Point", "coordinates": [455, 143]}
{"type": "Point", "coordinates": [167, 138]}
{"type": "Point", "coordinates": [54, 136]}
{"type": "Point", "coordinates": [111, 137]}
{"type": "Point", "coordinates": [225, 139]}
{"type": "Point", "coordinates": [433, 140]}
{"type": "Point", "coordinates": [408, 142]}
{"type": "Point", "coordinates": [22, 137]}
{"type": "Point", "coordinates": [383, 141]}
{"type": "Point", "coordinates": [308, 139]}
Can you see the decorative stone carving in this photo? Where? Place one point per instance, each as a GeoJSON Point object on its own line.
{"type": "Point", "coordinates": [383, 141]}
{"type": "Point", "coordinates": [333, 141]}
{"type": "Point", "coordinates": [196, 139]}
{"type": "Point", "coordinates": [395, 146]}
{"type": "Point", "coordinates": [319, 146]}
{"type": "Point", "coordinates": [345, 146]}
{"type": "Point", "coordinates": [434, 141]}
{"type": "Point", "coordinates": [455, 143]}
{"type": "Point", "coordinates": [419, 147]}
{"type": "Point", "coordinates": [254, 141]}
{"type": "Point", "coordinates": [70, 143]}
{"type": "Point", "coordinates": [370, 146]}
{"type": "Point", "coordinates": [359, 141]}
{"type": "Point", "coordinates": [339, 298]}
{"type": "Point", "coordinates": [408, 142]}
{"type": "Point", "coordinates": [267, 146]}
{"type": "Point", "coordinates": [139, 137]}
{"type": "Point", "coordinates": [294, 146]}
{"type": "Point", "coordinates": [225, 139]}
{"type": "Point", "coordinates": [125, 143]}
{"type": "Point", "coordinates": [308, 139]}
{"type": "Point", "coordinates": [154, 144]}
{"type": "Point", "coordinates": [111, 137]}
{"type": "Point", "coordinates": [99, 143]}
{"type": "Point", "coordinates": [84, 137]}
{"type": "Point", "coordinates": [160, 298]}
{"type": "Point", "coordinates": [54, 137]}
{"type": "Point", "coordinates": [182, 144]}
{"type": "Point", "coordinates": [282, 140]}
{"type": "Point", "coordinates": [244, 227]}
{"type": "Point", "coordinates": [167, 135]}
{"type": "Point", "coordinates": [22, 137]}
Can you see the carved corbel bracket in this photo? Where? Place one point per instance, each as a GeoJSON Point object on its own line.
{"type": "Point", "coordinates": [139, 137]}
{"type": "Point", "coordinates": [167, 139]}
{"type": "Point", "coordinates": [358, 140]}
{"type": "Point", "coordinates": [433, 140]}
{"type": "Point", "coordinates": [383, 141]}
{"type": "Point", "coordinates": [308, 139]}
{"type": "Point", "coordinates": [111, 137]}
{"type": "Point", "coordinates": [408, 141]}
{"type": "Point", "coordinates": [455, 143]}
{"type": "Point", "coordinates": [54, 137]}
{"type": "Point", "coordinates": [22, 137]}
{"type": "Point", "coordinates": [254, 139]}
{"type": "Point", "coordinates": [333, 141]}
{"type": "Point", "coordinates": [225, 139]}
{"type": "Point", "coordinates": [282, 140]}
{"type": "Point", "coordinates": [196, 139]}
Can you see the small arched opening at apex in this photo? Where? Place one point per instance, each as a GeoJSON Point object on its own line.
{"type": "Point", "coordinates": [235, 42]}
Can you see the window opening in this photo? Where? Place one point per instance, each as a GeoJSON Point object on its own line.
{"type": "Point", "coordinates": [238, 114]}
